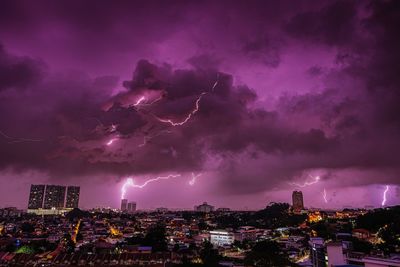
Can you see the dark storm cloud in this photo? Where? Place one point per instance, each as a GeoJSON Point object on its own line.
{"type": "Point", "coordinates": [18, 72]}
{"type": "Point", "coordinates": [351, 122]}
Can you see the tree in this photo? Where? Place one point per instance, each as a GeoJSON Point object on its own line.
{"type": "Point", "coordinates": [155, 238]}
{"type": "Point", "coordinates": [209, 255]}
{"type": "Point", "coordinates": [267, 254]}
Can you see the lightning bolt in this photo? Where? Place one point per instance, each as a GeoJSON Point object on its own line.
{"type": "Point", "coordinates": [130, 183]}
{"type": "Point", "coordinates": [194, 177]}
{"type": "Point", "coordinates": [324, 196]}
{"type": "Point", "coordinates": [111, 141]}
{"type": "Point", "coordinates": [13, 140]}
{"type": "Point", "coordinates": [384, 196]}
{"type": "Point", "coordinates": [307, 182]}
{"type": "Point", "coordinates": [139, 101]}
{"type": "Point", "coordinates": [148, 138]}
{"type": "Point", "coordinates": [194, 111]}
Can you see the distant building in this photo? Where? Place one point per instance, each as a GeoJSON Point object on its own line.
{"type": "Point", "coordinates": [221, 238]}
{"type": "Point", "coordinates": [204, 208]}
{"type": "Point", "coordinates": [131, 207]}
{"type": "Point", "coordinates": [124, 204]}
{"type": "Point", "coordinates": [297, 198]}
{"type": "Point", "coordinates": [161, 210]}
{"type": "Point", "coordinates": [223, 209]}
{"type": "Point", "coordinates": [246, 233]}
{"type": "Point", "coordinates": [317, 252]}
{"type": "Point", "coordinates": [54, 197]}
{"type": "Point", "coordinates": [72, 197]}
{"type": "Point", "coordinates": [336, 255]}
{"type": "Point", "coordinates": [36, 196]}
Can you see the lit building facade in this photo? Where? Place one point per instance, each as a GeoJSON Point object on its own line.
{"type": "Point", "coordinates": [36, 196]}
{"type": "Point", "coordinates": [54, 197]}
{"type": "Point", "coordinates": [221, 238]}
{"type": "Point", "coordinates": [72, 197]}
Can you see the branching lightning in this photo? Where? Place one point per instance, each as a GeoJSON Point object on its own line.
{"type": "Point", "coordinates": [307, 182]}
{"type": "Point", "coordinates": [194, 178]}
{"type": "Point", "coordinates": [194, 111]}
{"type": "Point", "coordinates": [139, 101]}
{"type": "Point", "coordinates": [384, 196]}
{"type": "Point", "coordinates": [324, 196]}
{"type": "Point", "coordinates": [148, 138]}
{"type": "Point", "coordinates": [130, 183]}
{"type": "Point", "coordinates": [13, 140]}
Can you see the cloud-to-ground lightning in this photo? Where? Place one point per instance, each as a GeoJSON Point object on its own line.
{"type": "Point", "coordinates": [130, 183]}
{"type": "Point", "coordinates": [194, 178]}
{"type": "Point", "coordinates": [384, 196]}
{"type": "Point", "coordinates": [307, 182]}
{"type": "Point", "coordinates": [13, 140]}
{"type": "Point", "coordinates": [324, 196]}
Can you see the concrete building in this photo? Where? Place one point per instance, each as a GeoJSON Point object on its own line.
{"type": "Point", "coordinates": [131, 207]}
{"type": "Point", "coordinates": [221, 238]}
{"type": "Point", "coordinates": [297, 199]}
{"type": "Point", "coordinates": [54, 197]}
{"type": "Point", "coordinates": [336, 256]}
{"type": "Point", "coordinates": [36, 196]}
{"type": "Point", "coordinates": [72, 197]}
{"type": "Point", "coordinates": [246, 233]}
{"type": "Point", "coordinates": [204, 208]}
{"type": "Point", "coordinates": [317, 252]}
{"type": "Point", "coordinates": [124, 204]}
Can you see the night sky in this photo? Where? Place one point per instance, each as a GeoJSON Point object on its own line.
{"type": "Point", "coordinates": [255, 98]}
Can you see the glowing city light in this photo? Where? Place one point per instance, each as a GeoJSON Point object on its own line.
{"type": "Point", "coordinates": [307, 182]}
{"type": "Point", "coordinates": [130, 183]}
{"type": "Point", "coordinates": [384, 196]}
{"type": "Point", "coordinates": [194, 177]}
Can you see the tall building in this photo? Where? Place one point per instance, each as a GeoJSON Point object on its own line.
{"type": "Point", "coordinates": [204, 208]}
{"type": "Point", "coordinates": [317, 252]}
{"type": "Point", "coordinates": [36, 196]}
{"type": "Point", "coordinates": [54, 197]}
{"type": "Point", "coordinates": [297, 198]}
{"type": "Point", "coordinates": [131, 207]}
{"type": "Point", "coordinates": [124, 204]}
{"type": "Point", "coordinates": [72, 197]}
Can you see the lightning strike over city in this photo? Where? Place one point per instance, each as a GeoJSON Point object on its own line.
{"type": "Point", "coordinates": [308, 182]}
{"type": "Point", "coordinates": [384, 196]}
{"type": "Point", "coordinates": [199, 133]}
{"type": "Point", "coordinates": [194, 178]}
{"type": "Point", "coordinates": [131, 183]}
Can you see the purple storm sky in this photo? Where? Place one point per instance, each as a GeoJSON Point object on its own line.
{"type": "Point", "coordinates": [259, 97]}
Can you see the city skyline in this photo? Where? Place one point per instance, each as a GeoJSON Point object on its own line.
{"type": "Point", "coordinates": [232, 103]}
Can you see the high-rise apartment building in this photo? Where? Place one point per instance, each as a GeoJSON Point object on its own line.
{"type": "Point", "coordinates": [131, 207]}
{"type": "Point", "coordinates": [54, 197]}
{"type": "Point", "coordinates": [297, 198]}
{"type": "Point", "coordinates": [36, 196]}
{"type": "Point", "coordinates": [124, 204]}
{"type": "Point", "coordinates": [72, 197]}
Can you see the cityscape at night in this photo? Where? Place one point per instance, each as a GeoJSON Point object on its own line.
{"type": "Point", "coordinates": [169, 133]}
